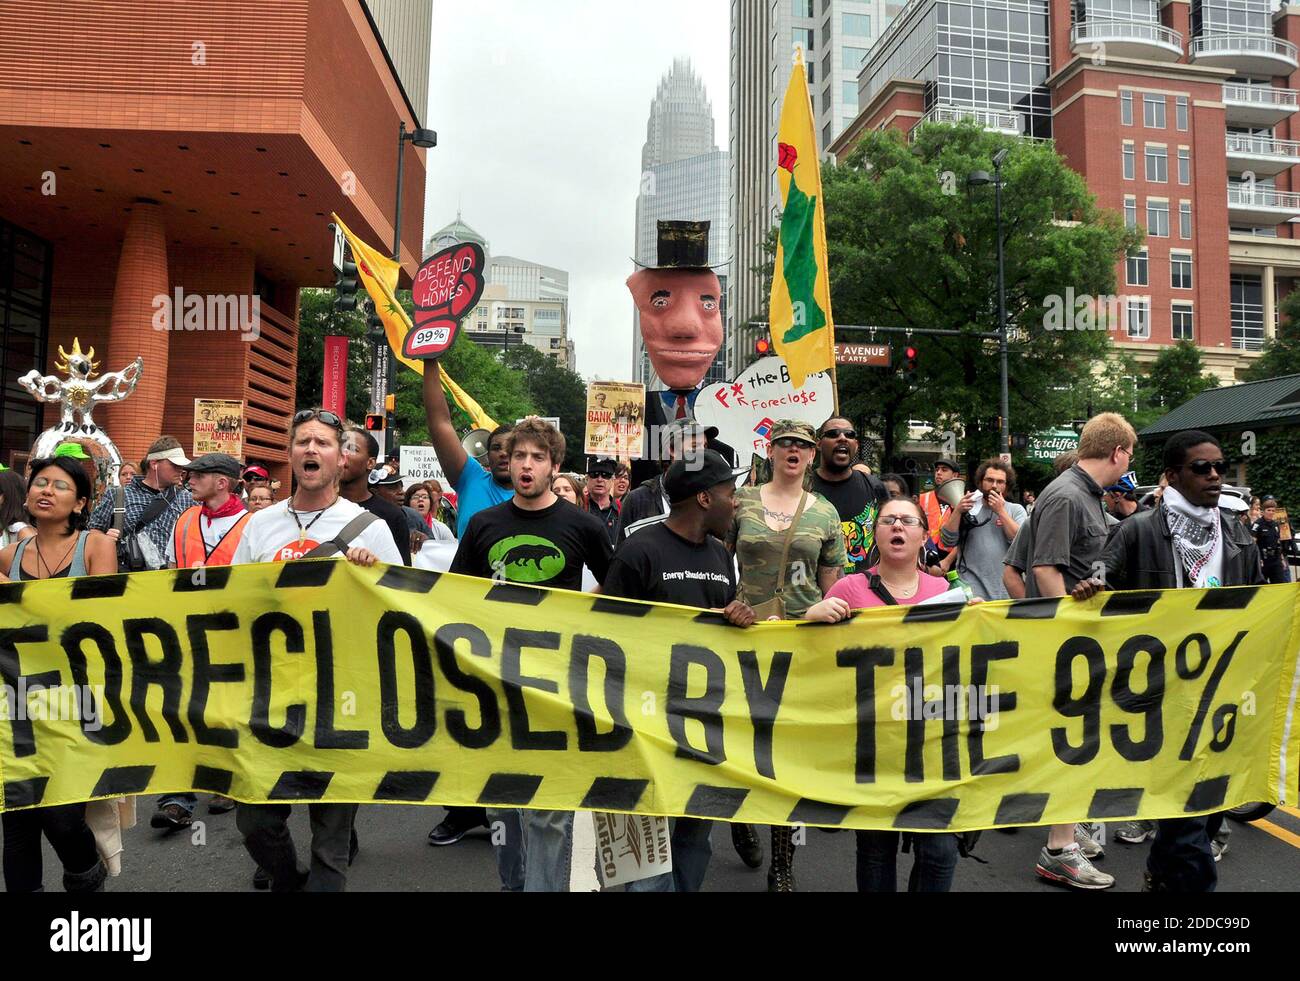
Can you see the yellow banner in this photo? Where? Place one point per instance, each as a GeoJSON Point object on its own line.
{"type": "Point", "coordinates": [323, 681]}
{"type": "Point", "coordinates": [801, 324]}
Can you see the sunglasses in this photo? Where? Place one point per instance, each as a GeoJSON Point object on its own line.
{"type": "Point", "coordinates": [1202, 467]}
{"type": "Point", "coordinates": [789, 442]}
{"type": "Point", "coordinates": [323, 415]}
{"type": "Point", "coordinates": [837, 433]}
{"type": "Point", "coordinates": [911, 520]}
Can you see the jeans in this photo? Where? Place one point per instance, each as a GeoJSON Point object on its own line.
{"type": "Point", "coordinates": [933, 867]}
{"type": "Point", "coordinates": [692, 849]}
{"type": "Point", "coordinates": [548, 850]}
{"type": "Point", "coordinates": [186, 801]}
{"type": "Point", "coordinates": [1181, 859]}
{"type": "Point", "coordinates": [508, 839]}
{"type": "Point", "coordinates": [265, 828]}
{"type": "Point", "coordinates": [65, 826]}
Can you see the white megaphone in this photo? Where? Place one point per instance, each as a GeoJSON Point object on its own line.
{"type": "Point", "coordinates": [476, 443]}
{"type": "Point", "coordinates": [952, 492]}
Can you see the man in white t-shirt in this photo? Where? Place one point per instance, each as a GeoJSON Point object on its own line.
{"type": "Point", "coordinates": [315, 514]}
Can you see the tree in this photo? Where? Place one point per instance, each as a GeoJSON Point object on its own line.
{"type": "Point", "coordinates": [555, 391]}
{"type": "Point", "coordinates": [1282, 353]}
{"type": "Point", "coordinates": [911, 246]}
{"type": "Point", "coordinates": [1176, 377]}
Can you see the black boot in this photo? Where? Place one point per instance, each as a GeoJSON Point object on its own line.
{"type": "Point", "coordinates": [780, 876]}
{"type": "Point", "coordinates": [92, 880]}
{"type": "Point", "coordinates": [747, 844]}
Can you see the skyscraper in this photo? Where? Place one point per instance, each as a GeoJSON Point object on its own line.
{"type": "Point", "coordinates": [835, 36]}
{"type": "Point", "coordinates": [684, 177]}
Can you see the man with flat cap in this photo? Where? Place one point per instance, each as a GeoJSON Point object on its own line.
{"type": "Point", "coordinates": [682, 560]}
{"type": "Point", "coordinates": [206, 534]}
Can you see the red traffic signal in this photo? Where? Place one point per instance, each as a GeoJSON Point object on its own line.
{"type": "Point", "coordinates": [910, 358]}
{"type": "Point", "coordinates": [763, 346]}
{"type": "Point", "coordinates": [375, 422]}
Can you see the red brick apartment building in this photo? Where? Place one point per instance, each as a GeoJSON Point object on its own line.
{"type": "Point", "coordinates": [1180, 114]}
{"type": "Point", "coordinates": [150, 146]}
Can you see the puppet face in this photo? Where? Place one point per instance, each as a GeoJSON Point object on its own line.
{"type": "Point", "coordinates": [681, 322]}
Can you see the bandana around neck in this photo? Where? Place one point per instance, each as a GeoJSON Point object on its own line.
{"type": "Point", "coordinates": [232, 506]}
{"type": "Point", "coordinates": [1198, 543]}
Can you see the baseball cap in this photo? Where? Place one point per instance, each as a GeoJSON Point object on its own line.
{"type": "Point", "coordinates": [168, 448]}
{"type": "Point", "coordinates": [944, 461]}
{"type": "Point", "coordinates": [218, 463]}
{"type": "Point", "coordinates": [383, 478]}
{"type": "Point", "coordinates": [602, 467]}
{"type": "Point", "coordinates": [255, 472]}
{"type": "Point", "coordinates": [686, 478]}
{"type": "Point", "coordinates": [1125, 485]}
{"type": "Point", "coordinates": [793, 429]}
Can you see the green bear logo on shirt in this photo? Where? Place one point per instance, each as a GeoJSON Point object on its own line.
{"type": "Point", "coordinates": [525, 558]}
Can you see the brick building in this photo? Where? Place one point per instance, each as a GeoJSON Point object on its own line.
{"type": "Point", "coordinates": [1180, 114]}
{"type": "Point", "coordinates": [153, 147]}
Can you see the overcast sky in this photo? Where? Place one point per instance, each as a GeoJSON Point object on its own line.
{"type": "Point", "coordinates": [541, 109]}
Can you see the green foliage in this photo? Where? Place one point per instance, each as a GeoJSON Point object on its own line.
{"type": "Point", "coordinates": [316, 319]}
{"type": "Point", "coordinates": [911, 246]}
{"type": "Point", "coordinates": [1275, 468]}
{"type": "Point", "coordinates": [555, 391]}
{"type": "Point", "coordinates": [1175, 378]}
{"type": "Point", "coordinates": [1282, 353]}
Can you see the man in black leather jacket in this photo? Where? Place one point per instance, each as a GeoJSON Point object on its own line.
{"type": "Point", "coordinates": [1165, 548]}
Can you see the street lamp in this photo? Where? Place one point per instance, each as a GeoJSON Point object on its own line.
{"type": "Point", "coordinates": [978, 179]}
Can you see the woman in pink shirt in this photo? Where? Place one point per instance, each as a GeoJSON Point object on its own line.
{"type": "Point", "coordinates": [900, 530]}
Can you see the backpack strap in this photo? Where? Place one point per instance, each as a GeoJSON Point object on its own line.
{"type": "Point", "coordinates": [343, 540]}
{"type": "Point", "coordinates": [877, 586]}
{"type": "Point", "coordinates": [119, 507]}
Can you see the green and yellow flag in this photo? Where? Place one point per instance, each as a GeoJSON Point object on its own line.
{"type": "Point", "coordinates": [379, 276]}
{"type": "Point", "coordinates": [800, 312]}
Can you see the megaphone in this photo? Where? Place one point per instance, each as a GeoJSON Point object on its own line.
{"type": "Point", "coordinates": [952, 492]}
{"type": "Point", "coordinates": [476, 443]}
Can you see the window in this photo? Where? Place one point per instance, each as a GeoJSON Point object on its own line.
{"type": "Point", "coordinates": [1126, 108]}
{"type": "Point", "coordinates": [857, 24]}
{"type": "Point", "coordinates": [1136, 269]}
{"type": "Point", "coordinates": [1157, 164]}
{"type": "Point", "coordinates": [1180, 270]}
{"type": "Point", "coordinates": [1247, 311]}
{"type": "Point", "coordinates": [1139, 317]}
{"type": "Point", "coordinates": [850, 94]}
{"type": "Point", "coordinates": [1153, 111]}
{"type": "Point", "coordinates": [803, 38]}
{"type": "Point", "coordinates": [1185, 220]}
{"type": "Point", "coordinates": [1158, 218]}
{"type": "Point", "coordinates": [1180, 113]}
{"type": "Point", "coordinates": [803, 8]}
{"type": "Point", "coordinates": [1184, 165]}
{"type": "Point", "coordinates": [1130, 166]}
{"type": "Point", "coordinates": [1130, 213]}
{"type": "Point", "coordinates": [1182, 321]}
{"type": "Point", "coordinates": [853, 57]}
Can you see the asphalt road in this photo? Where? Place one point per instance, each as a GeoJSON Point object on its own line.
{"type": "Point", "coordinates": [395, 856]}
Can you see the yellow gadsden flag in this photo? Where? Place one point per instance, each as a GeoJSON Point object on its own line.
{"type": "Point", "coordinates": [800, 314]}
{"type": "Point", "coordinates": [379, 276]}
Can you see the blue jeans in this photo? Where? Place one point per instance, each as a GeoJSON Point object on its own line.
{"type": "Point", "coordinates": [508, 841]}
{"type": "Point", "coordinates": [692, 849]}
{"type": "Point", "coordinates": [935, 861]}
{"type": "Point", "coordinates": [1181, 859]}
{"type": "Point", "coordinates": [535, 849]}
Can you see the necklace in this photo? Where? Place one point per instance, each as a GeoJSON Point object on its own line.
{"type": "Point", "coordinates": [302, 532]}
{"type": "Point", "coordinates": [40, 559]}
{"type": "Point", "coordinates": [900, 591]}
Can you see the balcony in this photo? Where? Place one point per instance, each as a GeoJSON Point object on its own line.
{"type": "Point", "coordinates": [1258, 105]}
{"type": "Point", "coordinates": [1125, 39]}
{"type": "Point", "coordinates": [994, 120]}
{"type": "Point", "coordinates": [1247, 54]}
{"type": "Point", "coordinates": [1254, 205]}
{"type": "Point", "coordinates": [1262, 155]}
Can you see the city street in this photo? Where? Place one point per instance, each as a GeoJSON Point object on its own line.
{"type": "Point", "coordinates": [396, 857]}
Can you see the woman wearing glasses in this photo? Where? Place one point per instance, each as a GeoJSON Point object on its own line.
{"type": "Point", "coordinates": [900, 535]}
{"type": "Point", "coordinates": [58, 498]}
{"type": "Point", "coordinates": [791, 550]}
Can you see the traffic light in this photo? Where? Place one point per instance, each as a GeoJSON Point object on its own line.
{"type": "Point", "coordinates": [390, 403]}
{"type": "Point", "coordinates": [346, 285]}
{"type": "Point", "coordinates": [910, 358]}
{"type": "Point", "coordinates": [375, 422]}
{"type": "Point", "coordinates": [763, 347]}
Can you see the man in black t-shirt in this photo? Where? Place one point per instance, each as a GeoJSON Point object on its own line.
{"type": "Point", "coordinates": [857, 496]}
{"type": "Point", "coordinates": [538, 539]}
{"type": "Point", "coordinates": [360, 450]}
{"type": "Point", "coordinates": [682, 560]}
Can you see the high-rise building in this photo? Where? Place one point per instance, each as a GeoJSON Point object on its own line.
{"type": "Point", "coordinates": [835, 36]}
{"type": "Point", "coordinates": [684, 177]}
{"type": "Point", "coordinates": [524, 303]}
{"type": "Point", "coordinates": [1181, 116]}
{"type": "Point", "coordinates": [454, 234]}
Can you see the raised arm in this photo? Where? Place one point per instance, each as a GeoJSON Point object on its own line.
{"type": "Point", "coordinates": [442, 433]}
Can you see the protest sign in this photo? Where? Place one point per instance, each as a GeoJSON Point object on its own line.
{"type": "Point", "coordinates": [218, 427]}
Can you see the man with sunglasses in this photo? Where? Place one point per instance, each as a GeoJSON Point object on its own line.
{"type": "Point", "coordinates": [857, 496]}
{"type": "Point", "coordinates": [1186, 541]}
{"type": "Point", "coordinates": [315, 514]}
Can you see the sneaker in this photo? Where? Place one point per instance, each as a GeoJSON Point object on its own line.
{"type": "Point", "coordinates": [171, 817]}
{"type": "Point", "coordinates": [261, 879]}
{"type": "Point", "coordinates": [220, 805]}
{"type": "Point", "coordinates": [454, 826]}
{"type": "Point", "coordinates": [1087, 836]}
{"type": "Point", "coordinates": [1219, 843]}
{"type": "Point", "coordinates": [1072, 868]}
{"type": "Point", "coordinates": [1135, 832]}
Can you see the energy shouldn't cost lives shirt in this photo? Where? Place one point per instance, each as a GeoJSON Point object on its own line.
{"type": "Point", "coordinates": [543, 548]}
{"type": "Point", "coordinates": [660, 566]}
{"type": "Point", "coordinates": [272, 535]}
